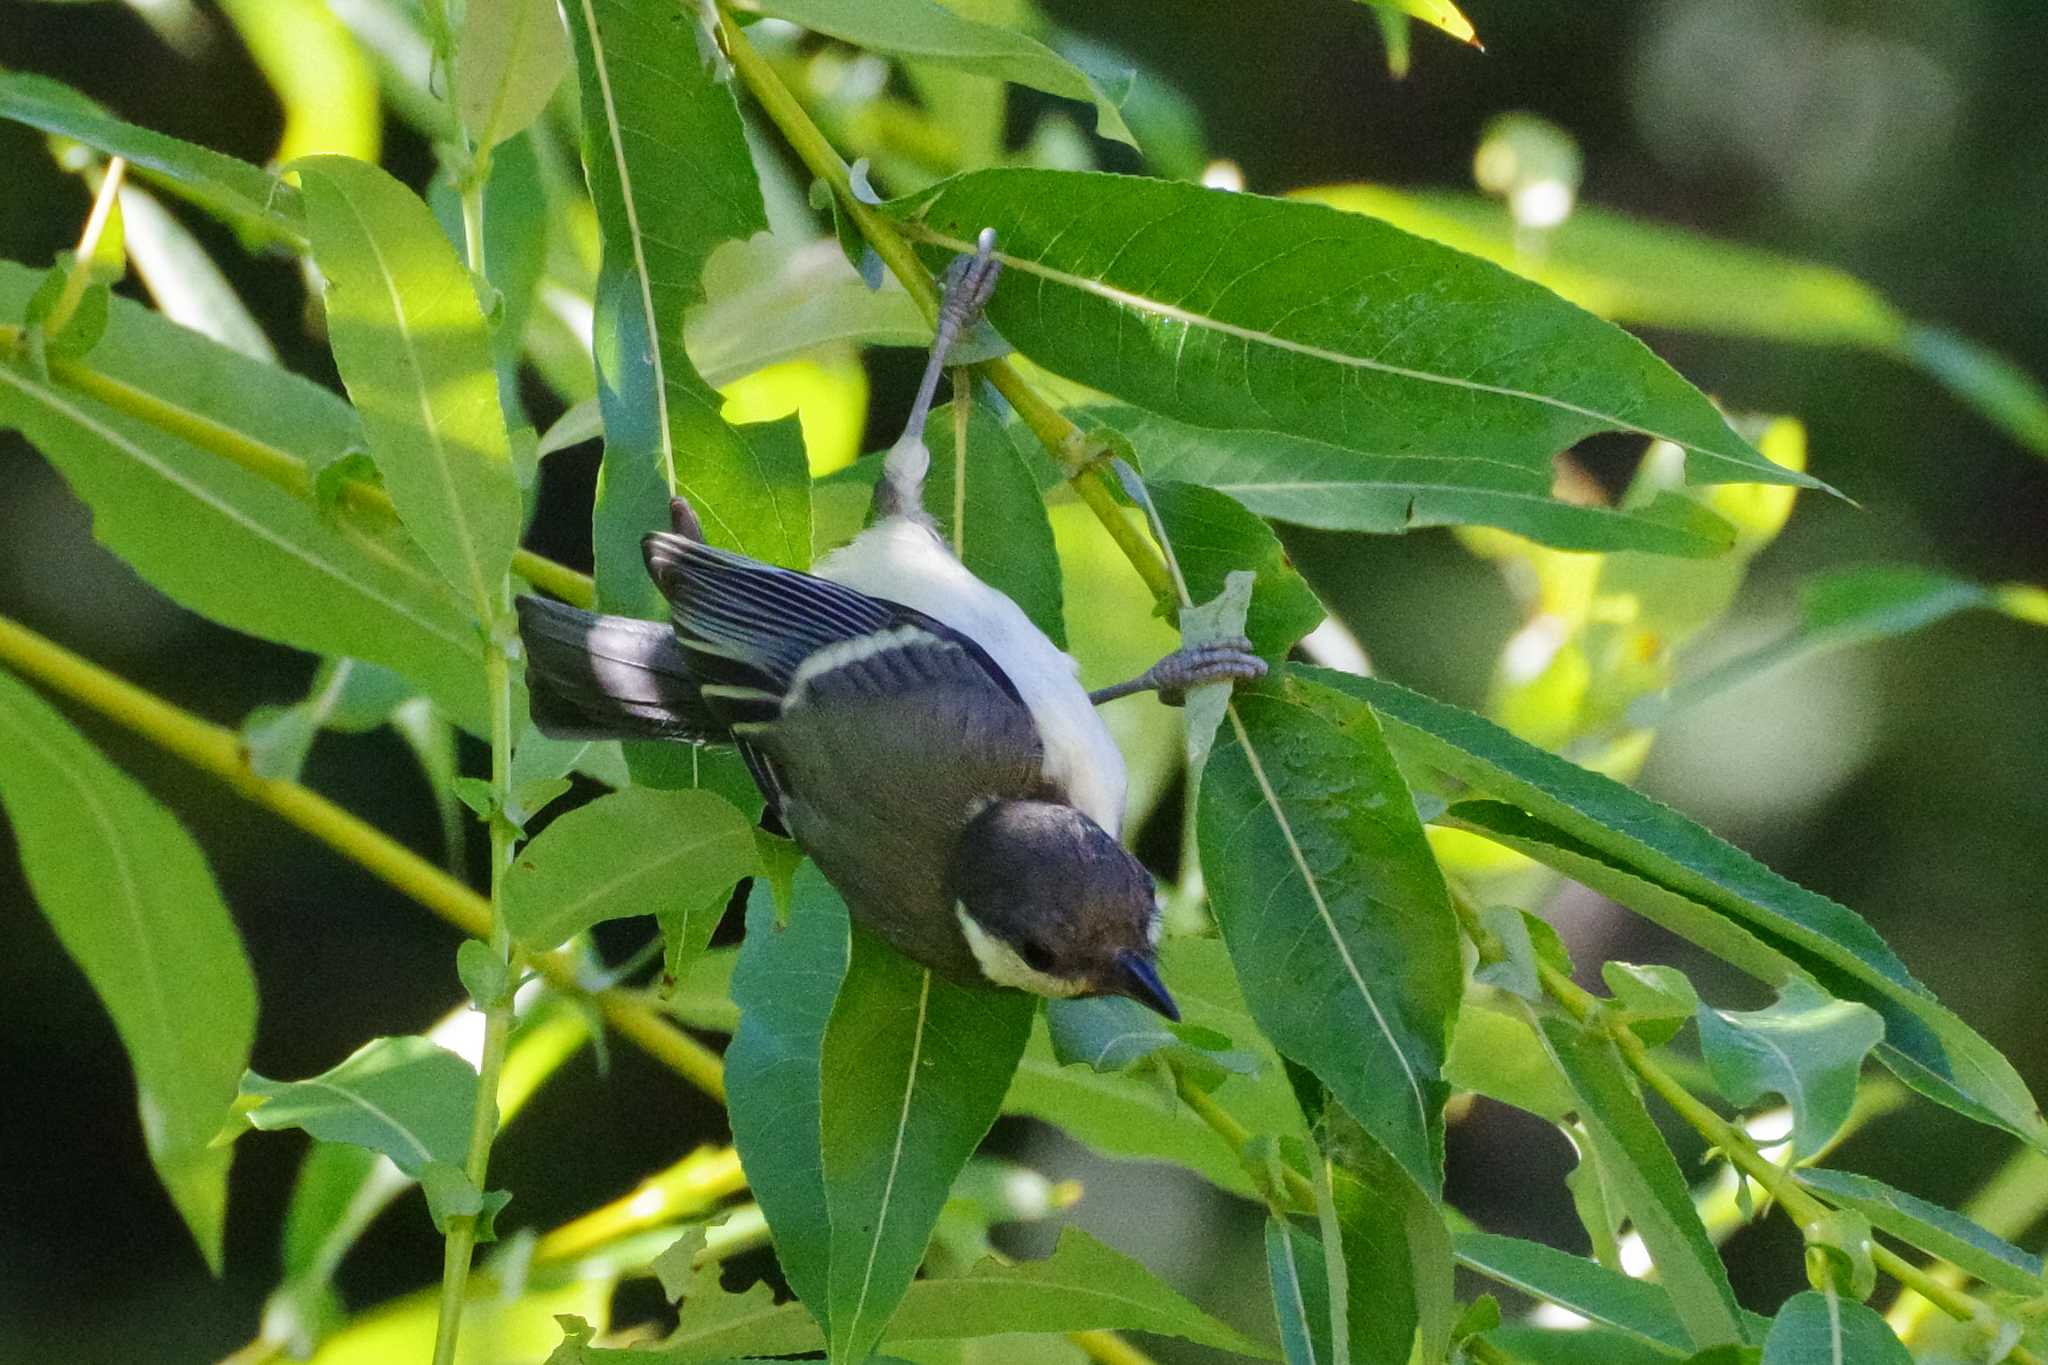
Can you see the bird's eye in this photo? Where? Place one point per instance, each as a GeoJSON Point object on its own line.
{"type": "Point", "coordinates": [1036, 955]}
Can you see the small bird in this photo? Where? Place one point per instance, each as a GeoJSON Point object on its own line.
{"type": "Point", "coordinates": [907, 724]}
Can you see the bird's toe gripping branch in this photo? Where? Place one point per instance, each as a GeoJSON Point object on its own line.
{"type": "Point", "coordinates": [1188, 668]}
{"type": "Point", "coordinates": [969, 282]}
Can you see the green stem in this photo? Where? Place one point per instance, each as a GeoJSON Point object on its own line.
{"type": "Point", "coordinates": [1225, 1125]}
{"type": "Point", "coordinates": [218, 751]}
{"type": "Point", "coordinates": [1064, 441]}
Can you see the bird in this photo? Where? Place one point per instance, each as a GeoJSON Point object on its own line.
{"type": "Point", "coordinates": [907, 724]}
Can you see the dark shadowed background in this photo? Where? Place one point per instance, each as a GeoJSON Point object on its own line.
{"type": "Point", "coordinates": [1905, 141]}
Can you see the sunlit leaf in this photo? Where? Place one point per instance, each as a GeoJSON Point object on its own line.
{"type": "Point", "coordinates": [1939, 1231]}
{"type": "Point", "coordinates": [1441, 14]}
{"type": "Point", "coordinates": [1807, 1047]}
{"type": "Point", "coordinates": [185, 284]}
{"type": "Point", "coordinates": [657, 118]}
{"type": "Point", "coordinates": [1333, 909]}
{"type": "Point", "coordinates": [510, 57]}
{"type": "Point", "coordinates": [1824, 1329]}
{"type": "Point", "coordinates": [410, 342]}
{"type": "Point", "coordinates": [671, 854]}
{"type": "Point", "coordinates": [1495, 1053]}
{"type": "Point", "coordinates": [1296, 318]}
{"type": "Point", "coordinates": [1646, 1178]}
{"type": "Point", "coordinates": [318, 74]}
{"type": "Point", "coordinates": [130, 898]}
{"type": "Point", "coordinates": [926, 31]}
{"type": "Point", "coordinates": [1703, 886]}
{"type": "Point", "coordinates": [765, 300]}
{"type": "Point", "coordinates": [405, 1097]}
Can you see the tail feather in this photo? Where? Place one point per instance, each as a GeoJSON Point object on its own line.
{"type": "Point", "coordinates": [609, 677]}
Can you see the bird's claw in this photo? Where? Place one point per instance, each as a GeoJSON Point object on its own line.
{"type": "Point", "coordinates": [1194, 666]}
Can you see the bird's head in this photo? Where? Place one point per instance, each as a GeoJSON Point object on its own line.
{"type": "Point", "coordinates": [1051, 903]}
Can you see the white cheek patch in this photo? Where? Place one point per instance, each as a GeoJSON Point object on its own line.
{"type": "Point", "coordinates": [1001, 964]}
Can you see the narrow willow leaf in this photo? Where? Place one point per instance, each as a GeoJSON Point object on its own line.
{"type": "Point", "coordinates": [1700, 876]}
{"type": "Point", "coordinates": [915, 1068]}
{"type": "Point", "coordinates": [672, 854]}
{"type": "Point", "coordinates": [1495, 1053]}
{"type": "Point", "coordinates": [1825, 1329]}
{"type": "Point", "coordinates": [767, 300]}
{"type": "Point", "coordinates": [220, 540]}
{"type": "Point", "coordinates": [1936, 1230]}
{"type": "Point", "coordinates": [1440, 14]}
{"type": "Point", "coordinates": [988, 508]}
{"type": "Point", "coordinates": [786, 980]}
{"type": "Point", "coordinates": [1311, 483]}
{"type": "Point", "coordinates": [1211, 534]}
{"type": "Point", "coordinates": [926, 31]}
{"type": "Point", "coordinates": [1333, 909]}
{"type": "Point", "coordinates": [183, 282]}
{"type": "Point", "coordinates": [1838, 609]}
{"type": "Point", "coordinates": [1999, 390]}
{"type": "Point", "coordinates": [1133, 1115]}
{"type": "Point", "coordinates": [406, 1097]}
{"type": "Point", "coordinates": [130, 898]}
{"type": "Point", "coordinates": [1166, 123]}
{"type": "Point", "coordinates": [1575, 1345]}
{"type": "Point", "coordinates": [322, 80]}
{"type": "Point", "coordinates": [245, 195]}
{"type": "Point", "coordinates": [410, 342]}
{"type": "Point", "coordinates": [1807, 1047]}
{"type": "Point", "coordinates": [1296, 1274]}
{"type": "Point", "coordinates": [671, 178]}
{"type": "Point", "coordinates": [1646, 1178]}
{"type": "Point", "coordinates": [511, 56]}
{"type": "Point", "coordinates": [1637, 1307]}
{"type": "Point", "coordinates": [1296, 318]}
{"type": "Point", "coordinates": [1397, 1259]}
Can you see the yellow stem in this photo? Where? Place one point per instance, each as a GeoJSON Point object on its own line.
{"type": "Point", "coordinates": [79, 279]}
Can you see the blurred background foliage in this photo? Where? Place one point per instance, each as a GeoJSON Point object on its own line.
{"type": "Point", "coordinates": [1897, 141]}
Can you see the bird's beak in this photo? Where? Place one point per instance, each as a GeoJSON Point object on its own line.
{"type": "Point", "coordinates": [1139, 979]}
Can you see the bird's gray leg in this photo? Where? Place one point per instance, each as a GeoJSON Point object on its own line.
{"type": "Point", "coordinates": [1190, 667]}
{"type": "Point", "coordinates": [969, 281]}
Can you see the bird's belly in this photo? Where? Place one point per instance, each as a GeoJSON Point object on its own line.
{"type": "Point", "coordinates": [905, 562]}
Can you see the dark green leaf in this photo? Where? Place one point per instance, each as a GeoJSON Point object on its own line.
{"type": "Point", "coordinates": [511, 56]}
{"type": "Point", "coordinates": [784, 985]}
{"type": "Point", "coordinates": [1823, 1329]}
{"type": "Point", "coordinates": [915, 1068]}
{"type": "Point", "coordinates": [1396, 1260]}
{"type": "Point", "coordinates": [243, 194]}
{"type": "Point", "coordinates": [1311, 483]}
{"type": "Point", "coordinates": [1998, 389]}
{"type": "Point", "coordinates": [1932, 1228]}
{"type": "Point", "coordinates": [998, 525]}
{"type": "Point", "coordinates": [671, 854]}
{"type": "Point", "coordinates": [657, 118]}
{"type": "Point", "coordinates": [130, 897]}
{"type": "Point", "coordinates": [1113, 1034]}
{"type": "Point", "coordinates": [413, 350]}
{"type": "Point", "coordinates": [1807, 1047]}
{"type": "Point", "coordinates": [1212, 535]}
{"type": "Point", "coordinates": [1298, 1277]}
{"type": "Point", "coordinates": [1646, 1178]}
{"type": "Point", "coordinates": [926, 31]}
{"type": "Point", "coordinates": [1637, 1307]}
{"type": "Point", "coordinates": [1333, 909]}
{"type": "Point", "coordinates": [220, 540]}
{"type": "Point", "coordinates": [1297, 318]}
{"type": "Point", "coordinates": [405, 1097]}
{"type": "Point", "coordinates": [1705, 887]}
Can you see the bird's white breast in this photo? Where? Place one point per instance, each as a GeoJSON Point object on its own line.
{"type": "Point", "coordinates": [906, 562]}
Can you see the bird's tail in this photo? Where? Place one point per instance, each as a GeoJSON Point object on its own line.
{"type": "Point", "coordinates": [609, 677]}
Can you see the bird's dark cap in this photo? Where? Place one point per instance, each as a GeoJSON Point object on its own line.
{"type": "Point", "coordinates": [1139, 979]}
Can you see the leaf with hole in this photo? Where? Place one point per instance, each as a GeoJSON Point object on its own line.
{"type": "Point", "coordinates": [405, 1097]}
{"type": "Point", "coordinates": [1807, 1047]}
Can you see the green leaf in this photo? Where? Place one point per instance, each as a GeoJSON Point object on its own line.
{"type": "Point", "coordinates": [1211, 535]}
{"type": "Point", "coordinates": [671, 854]}
{"type": "Point", "coordinates": [1311, 483]}
{"type": "Point", "coordinates": [786, 980]}
{"type": "Point", "coordinates": [405, 1097]}
{"type": "Point", "coordinates": [182, 279]}
{"type": "Point", "coordinates": [1703, 887]}
{"type": "Point", "coordinates": [1823, 1329]}
{"type": "Point", "coordinates": [1134, 1116]}
{"type": "Point", "coordinates": [657, 117]}
{"type": "Point", "coordinates": [767, 300]}
{"type": "Point", "coordinates": [1808, 1047]}
{"type": "Point", "coordinates": [1645, 1177]}
{"type": "Point", "coordinates": [1396, 1260]}
{"type": "Point", "coordinates": [1495, 1053]}
{"type": "Point", "coordinates": [1333, 909]}
{"type": "Point", "coordinates": [997, 523]}
{"type": "Point", "coordinates": [1657, 1000]}
{"type": "Point", "coordinates": [245, 195]}
{"type": "Point", "coordinates": [926, 31]}
{"type": "Point", "coordinates": [1839, 609]}
{"type": "Point", "coordinates": [321, 77]}
{"type": "Point", "coordinates": [1297, 318]}
{"type": "Point", "coordinates": [1936, 1230]}
{"type": "Point", "coordinates": [1113, 1034]}
{"type": "Point", "coordinates": [1297, 1275]}
{"type": "Point", "coordinates": [915, 1068]}
{"type": "Point", "coordinates": [412, 349]}
{"type": "Point", "coordinates": [511, 56]}
{"type": "Point", "coordinates": [1437, 13]}
{"type": "Point", "coordinates": [1999, 390]}
{"type": "Point", "coordinates": [452, 1194]}
{"type": "Point", "coordinates": [1636, 1307]}
{"type": "Point", "coordinates": [130, 898]}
